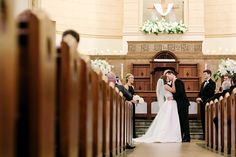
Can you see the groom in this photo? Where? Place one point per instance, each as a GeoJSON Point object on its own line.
{"type": "Point", "coordinates": [182, 104]}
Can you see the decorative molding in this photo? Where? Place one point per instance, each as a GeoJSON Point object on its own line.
{"type": "Point", "coordinates": [220, 35]}
{"type": "Point", "coordinates": [96, 36]}
{"type": "Point", "coordinates": [141, 47]}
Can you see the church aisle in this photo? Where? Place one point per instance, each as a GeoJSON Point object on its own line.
{"type": "Point", "coordinates": [171, 150]}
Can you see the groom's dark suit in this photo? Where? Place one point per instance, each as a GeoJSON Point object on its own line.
{"type": "Point", "coordinates": [182, 104]}
{"type": "Point", "coordinates": [206, 92]}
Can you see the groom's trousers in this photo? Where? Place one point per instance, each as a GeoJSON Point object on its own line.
{"type": "Point", "coordinates": [184, 122]}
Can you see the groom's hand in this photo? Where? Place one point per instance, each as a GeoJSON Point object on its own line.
{"type": "Point", "coordinates": [170, 98]}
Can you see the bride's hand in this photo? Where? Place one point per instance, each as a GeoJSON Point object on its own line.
{"type": "Point", "coordinates": [174, 79]}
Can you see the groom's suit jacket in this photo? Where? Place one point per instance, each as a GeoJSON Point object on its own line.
{"type": "Point", "coordinates": [180, 94]}
{"type": "Point", "coordinates": [207, 90]}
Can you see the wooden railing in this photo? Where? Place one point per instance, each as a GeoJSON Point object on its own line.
{"type": "Point", "coordinates": [220, 123]}
{"type": "Point", "coordinates": [52, 103]}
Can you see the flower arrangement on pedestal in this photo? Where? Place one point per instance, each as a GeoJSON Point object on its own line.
{"type": "Point", "coordinates": [102, 65]}
{"type": "Point", "coordinates": [163, 27]}
{"type": "Point", "coordinates": [227, 66]}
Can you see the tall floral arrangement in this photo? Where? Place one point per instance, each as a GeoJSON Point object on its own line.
{"type": "Point", "coordinates": [227, 66]}
{"type": "Point", "coordinates": [103, 65]}
{"type": "Point", "coordinates": [163, 27]}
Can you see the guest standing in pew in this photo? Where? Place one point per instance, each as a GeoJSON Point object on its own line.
{"type": "Point", "coordinates": [73, 34]}
{"type": "Point", "coordinates": [129, 79]}
{"type": "Point", "coordinates": [128, 96]}
{"type": "Point", "coordinates": [227, 82]}
{"type": "Point", "coordinates": [233, 83]}
{"type": "Point", "coordinates": [207, 91]}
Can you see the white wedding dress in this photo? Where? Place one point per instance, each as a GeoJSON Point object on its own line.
{"type": "Point", "coordinates": [165, 127]}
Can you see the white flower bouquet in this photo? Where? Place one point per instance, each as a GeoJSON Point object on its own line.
{"type": "Point", "coordinates": [138, 99]}
{"type": "Point", "coordinates": [103, 65]}
{"type": "Point", "coordinates": [225, 67]}
{"type": "Point", "coordinates": [162, 26]}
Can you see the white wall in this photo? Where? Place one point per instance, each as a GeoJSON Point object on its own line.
{"type": "Point", "coordinates": [99, 22]}
{"type": "Point", "coordinates": [220, 27]}
{"type": "Point", "coordinates": [20, 5]}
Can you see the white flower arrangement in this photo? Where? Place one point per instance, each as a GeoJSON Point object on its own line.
{"type": "Point", "coordinates": [103, 65]}
{"type": "Point", "coordinates": [225, 67]}
{"type": "Point", "coordinates": [138, 99]}
{"type": "Point", "coordinates": [163, 27]}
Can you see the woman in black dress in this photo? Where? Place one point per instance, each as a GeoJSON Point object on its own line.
{"type": "Point", "coordinates": [129, 86]}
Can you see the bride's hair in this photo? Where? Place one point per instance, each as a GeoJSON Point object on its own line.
{"type": "Point", "coordinates": [164, 78]}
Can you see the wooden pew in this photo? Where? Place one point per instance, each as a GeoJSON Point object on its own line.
{"type": "Point", "coordinates": [112, 120]}
{"type": "Point", "coordinates": [117, 128]}
{"type": "Point", "coordinates": [207, 130]}
{"type": "Point", "coordinates": [227, 123]}
{"type": "Point", "coordinates": [220, 125]}
{"type": "Point", "coordinates": [210, 123]}
{"type": "Point", "coordinates": [97, 112]}
{"type": "Point", "coordinates": [68, 98]}
{"type": "Point", "coordinates": [215, 125]}
{"type": "Point", "coordinates": [8, 85]}
{"type": "Point", "coordinates": [129, 134]}
{"type": "Point", "coordinates": [124, 124]}
{"type": "Point", "coordinates": [122, 102]}
{"type": "Point", "coordinates": [86, 110]}
{"type": "Point", "coordinates": [106, 117]}
{"type": "Point", "coordinates": [35, 123]}
{"type": "Point", "coordinates": [233, 122]}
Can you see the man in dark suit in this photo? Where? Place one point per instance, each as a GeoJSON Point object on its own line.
{"type": "Point", "coordinates": [206, 92]}
{"type": "Point", "coordinates": [182, 104]}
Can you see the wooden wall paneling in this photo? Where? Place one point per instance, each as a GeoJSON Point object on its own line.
{"type": "Point", "coordinates": [141, 70]}
{"type": "Point", "coordinates": [35, 129]}
{"type": "Point", "coordinates": [191, 84]}
{"type": "Point", "coordinates": [145, 80]}
{"type": "Point", "coordinates": [188, 70]}
{"type": "Point", "coordinates": [8, 80]}
{"type": "Point", "coordinates": [142, 84]}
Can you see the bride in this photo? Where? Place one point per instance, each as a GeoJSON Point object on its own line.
{"type": "Point", "coordinates": [165, 127]}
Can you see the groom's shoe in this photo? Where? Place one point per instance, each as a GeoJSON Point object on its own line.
{"type": "Point", "coordinates": [186, 140]}
{"type": "Point", "coordinates": [128, 146]}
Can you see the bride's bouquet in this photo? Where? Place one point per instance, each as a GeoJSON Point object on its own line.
{"type": "Point", "coordinates": [138, 99]}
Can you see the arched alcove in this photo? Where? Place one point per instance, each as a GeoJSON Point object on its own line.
{"type": "Point", "coordinates": [160, 62]}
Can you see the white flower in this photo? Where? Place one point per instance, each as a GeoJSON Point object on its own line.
{"type": "Point", "coordinates": [162, 26]}
{"type": "Point", "coordinates": [138, 99]}
{"type": "Point", "coordinates": [225, 67]}
{"type": "Point", "coordinates": [101, 65]}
